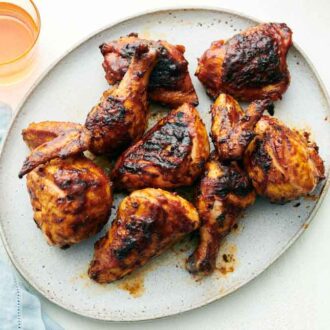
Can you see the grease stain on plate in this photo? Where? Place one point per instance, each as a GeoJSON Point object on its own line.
{"type": "Point", "coordinates": [134, 283]}
{"type": "Point", "coordinates": [149, 33]}
{"type": "Point", "coordinates": [227, 261]}
{"type": "Point", "coordinates": [312, 197]}
{"type": "Point", "coordinates": [81, 278]}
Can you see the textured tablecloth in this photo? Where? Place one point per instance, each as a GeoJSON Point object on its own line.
{"type": "Point", "coordinates": [19, 309]}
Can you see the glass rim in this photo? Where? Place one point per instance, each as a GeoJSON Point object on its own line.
{"type": "Point", "coordinates": [34, 42]}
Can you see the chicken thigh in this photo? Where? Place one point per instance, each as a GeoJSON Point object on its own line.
{"type": "Point", "coordinates": [224, 191]}
{"type": "Point", "coordinates": [249, 66]}
{"type": "Point", "coordinates": [282, 163]}
{"type": "Point", "coordinates": [71, 197]}
{"type": "Point", "coordinates": [170, 82]}
{"type": "Point", "coordinates": [121, 117]}
{"type": "Point", "coordinates": [148, 222]}
{"type": "Point", "coordinates": [171, 154]}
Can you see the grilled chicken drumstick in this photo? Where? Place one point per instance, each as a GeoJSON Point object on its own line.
{"type": "Point", "coordinates": [121, 116]}
{"type": "Point", "coordinates": [148, 222]}
{"type": "Point", "coordinates": [224, 191]}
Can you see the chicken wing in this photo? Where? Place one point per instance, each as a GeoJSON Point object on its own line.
{"type": "Point", "coordinates": [121, 117]}
{"type": "Point", "coordinates": [148, 222]}
{"type": "Point", "coordinates": [282, 163]}
{"type": "Point", "coordinates": [171, 154]}
{"type": "Point", "coordinates": [170, 82]}
{"type": "Point", "coordinates": [71, 197]}
{"type": "Point", "coordinates": [52, 139]}
{"type": "Point", "coordinates": [232, 129]}
{"type": "Point", "coordinates": [224, 191]}
{"type": "Point", "coordinates": [249, 66]}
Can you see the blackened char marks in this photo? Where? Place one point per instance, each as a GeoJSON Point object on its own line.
{"type": "Point", "coordinates": [167, 72]}
{"type": "Point", "coordinates": [251, 61]}
{"type": "Point", "coordinates": [71, 180]}
{"type": "Point", "coordinates": [112, 112]}
{"type": "Point", "coordinates": [165, 148]}
{"type": "Point", "coordinates": [128, 245]}
{"type": "Point", "coordinates": [168, 146]}
{"type": "Point", "coordinates": [220, 220]}
{"type": "Point", "coordinates": [260, 156]}
{"type": "Point", "coordinates": [232, 181]}
{"type": "Point", "coordinates": [75, 183]}
{"type": "Point", "coordinates": [106, 120]}
{"type": "Point", "coordinates": [129, 50]}
{"type": "Point", "coordinates": [138, 232]}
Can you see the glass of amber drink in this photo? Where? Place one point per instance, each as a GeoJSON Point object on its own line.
{"type": "Point", "coordinates": [19, 32]}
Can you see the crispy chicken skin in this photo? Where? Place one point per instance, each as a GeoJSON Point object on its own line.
{"type": "Point", "coordinates": [170, 82]}
{"type": "Point", "coordinates": [282, 163]}
{"type": "Point", "coordinates": [224, 191]}
{"type": "Point", "coordinates": [249, 66]}
{"type": "Point", "coordinates": [71, 197]}
{"type": "Point", "coordinates": [148, 222]}
{"type": "Point", "coordinates": [121, 116]}
{"type": "Point", "coordinates": [232, 128]}
{"type": "Point", "coordinates": [52, 139]}
{"type": "Point", "coordinates": [171, 154]}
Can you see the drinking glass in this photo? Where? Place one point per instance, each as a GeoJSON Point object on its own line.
{"type": "Point", "coordinates": [19, 32]}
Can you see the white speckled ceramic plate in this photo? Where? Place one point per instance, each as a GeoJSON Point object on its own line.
{"type": "Point", "coordinates": [163, 287]}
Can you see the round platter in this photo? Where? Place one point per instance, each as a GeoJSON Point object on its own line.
{"type": "Point", "coordinates": [163, 287]}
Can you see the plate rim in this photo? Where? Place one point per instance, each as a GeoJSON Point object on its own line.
{"type": "Point", "coordinates": [108, 317]}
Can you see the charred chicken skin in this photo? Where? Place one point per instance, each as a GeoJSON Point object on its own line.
{"type": "Point", "coordinates": [249, 66]}
{"type": "Point", "coordinates": [232, 128]}
{"type": "Point", "coordinates": [121, 117]}
{"type": "Point", "coordinates": [224, 191]}
{"type": "Point", "coordinates": [170, 82]}
{"type": "Point", "coordinates": [282, 163]}
{"type": "Point", "coordinates": [71, 197]}
{"type": "Point", "coordinates": [171, 154]}
{"type": "Point", "coordinates": [148, 222]}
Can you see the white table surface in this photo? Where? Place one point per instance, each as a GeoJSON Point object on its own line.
{"type": "Point", "coordinates": [294, 293]}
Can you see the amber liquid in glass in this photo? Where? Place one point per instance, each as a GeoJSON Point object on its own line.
{"type": "Point", "coordinates": [18, 32]}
